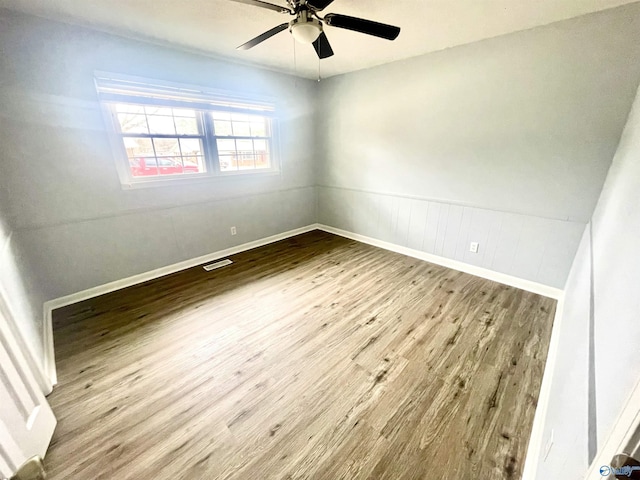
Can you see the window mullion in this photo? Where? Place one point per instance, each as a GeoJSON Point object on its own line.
{"type": "Point", "coordinates": [175, 127]}
{"type": "Point", "coordinates": [153, 144]}
{"type": "Point", "coordinates": [211, 145]}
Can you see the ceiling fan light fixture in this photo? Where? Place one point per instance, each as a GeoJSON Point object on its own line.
{"type": "Point", "coordinates": [305, 30]}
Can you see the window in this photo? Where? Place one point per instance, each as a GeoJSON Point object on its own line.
{"type": "Point", "coordinates": [160, 141]}
{"type": "Point", "coordinates": [166, 132]}
{"type": "Point", "coordinates": [242, 141]}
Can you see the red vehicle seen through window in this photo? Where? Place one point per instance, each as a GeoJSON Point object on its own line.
{"type": "Point", "coordinates": [151, 166]}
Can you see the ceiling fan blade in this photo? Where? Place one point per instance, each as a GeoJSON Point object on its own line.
{"type": "Point", "coordinates": [319, 4]}
{"type": "Point", "coordinates": [261, 38]}
{"type": "Point", "coordinates": [323, 47]}
{"type": "Point", "coordinates": [270, 6]}
{"type": "Point", "coordinates": [363, 26]}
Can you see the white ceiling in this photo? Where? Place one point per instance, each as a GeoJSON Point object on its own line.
{"type": "Point", "coordinates": [218, 26]}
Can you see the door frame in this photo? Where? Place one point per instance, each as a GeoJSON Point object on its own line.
{"type": "Point", "coordinates": [36, 369]}
{"type": "Point", "coordinates": [28, 434]}
{"type": "Point", "coordinates": [626, 425]}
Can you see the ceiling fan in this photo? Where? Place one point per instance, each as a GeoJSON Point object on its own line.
{"type": "Point", "coordinates": [308, 25]}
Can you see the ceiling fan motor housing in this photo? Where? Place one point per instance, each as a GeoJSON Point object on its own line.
{"type": "Point", "coordinates": [304, 28]}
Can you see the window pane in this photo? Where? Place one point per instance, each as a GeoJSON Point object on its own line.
{"type": "Point", "coordinates": [132, 123]}
{"type": "Point", "coordinates": [190, 146]}
{"type": "Point", "coordinates": [149, 162]}
{"type": "Point", "coordinates": [153, 110]}
{"type": "Point", "coordinates": [262, 161]}
{"type": "Point", "coordinates": [143, 166]}
{"type": "Point", "coordinates": [164, 162]}
{"type": "Point", "coordinates": [193, 164]}
{"type": "Point", "coordinates": [222, 128]}
{"type": "Point", "coordinates": [228, 163]}
{"type": "Point", "coordinates": [186, 126]}
{"type": "Point", "coordinates": [260, 146]}
{"type": "Point", "coordinates": [226, 147]}
{"type": "Point", "coordinates": [128, 108]}
{"type": "Point", "coordinates": [161, 124]}
{"type": "Point", "coordinates": [258, 129]}
{"type": "Point", "coordinates": [138, 147]}
{"type": "Point", "coordinates": [241, 129]}
{"type": "Point", "coordinates": [180, 112]}
{"type": "Point", "coordinates": [240, 117]}
{"type": "Point", "coordinates": [170, 166]}
{"type": "Point", "coordinates": [246, 162]}
{"type": "Point", "coordinates": [244, 145]}
{"type": "Point", "coordinates": [221, 115]}
{"type": "Point", "coordinates": [166, 147]}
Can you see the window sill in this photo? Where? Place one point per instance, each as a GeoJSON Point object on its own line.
{"type": "Point", "coordinates": [174, 181]}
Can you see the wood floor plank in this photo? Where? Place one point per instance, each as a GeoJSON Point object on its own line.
{"type": "Point", "coordinates": [316, 357]}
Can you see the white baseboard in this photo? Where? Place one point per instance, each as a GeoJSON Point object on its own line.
{"type": "Point", "coordinates": [503, 278]}
{"type": "Point", "coordinates": [49, 306]}
{"type": "Point", "coordinates": [537, 440]}
{"type": "Point", "coordinates": [47, 340]}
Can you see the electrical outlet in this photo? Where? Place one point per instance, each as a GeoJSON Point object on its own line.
{"type": "Point", "coordinates": [233, 230]}
{"type": "Point", "coordinates": [474, 247]}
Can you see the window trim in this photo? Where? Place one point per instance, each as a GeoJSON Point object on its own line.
{"type": "Point", "coordinates": [205, 101]}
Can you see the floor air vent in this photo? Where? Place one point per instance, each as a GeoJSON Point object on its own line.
{"type": "Point", "coordinates": [221, 263]}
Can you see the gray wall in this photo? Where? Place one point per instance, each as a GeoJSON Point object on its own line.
{"type": "Point", "coordinates": [616, 274]}
{"type": "Point", "coordinates": [568, 410]}
{"type": "Point", "coordinates": [519, 130]}
{"type": "Point", "coordinates": [603, 285]}
{"type": "Point", "coordinates": [65, 201]}
{"type": "Point", "coordinates": [75, 226]}
{"type": "Point", "coordinates": [529, 247]}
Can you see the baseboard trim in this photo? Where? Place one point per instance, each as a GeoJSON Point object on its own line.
{"type": "Point", "coordinates": [49, 306]}
{"type": "Point", "coordinates": [536, 439]}
{"type": "Point", "coordinates": [49, 360]}
{"type": "Point", "coordinates": [503, 278]}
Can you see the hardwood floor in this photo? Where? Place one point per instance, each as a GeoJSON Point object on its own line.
{"type": "Point", "coordinates": [313, 358]}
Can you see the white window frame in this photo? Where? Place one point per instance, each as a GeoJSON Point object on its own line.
{"type": "Point", "coordinates": [117, 88]}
